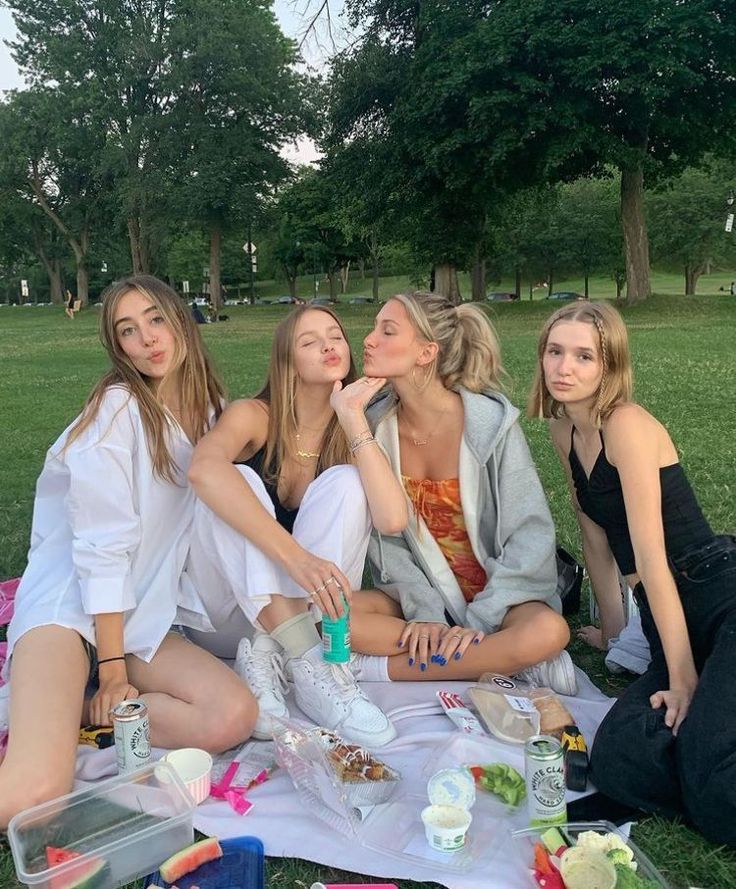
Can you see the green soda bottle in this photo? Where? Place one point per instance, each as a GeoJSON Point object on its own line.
{"type": "Point", "coordinates": [336, 636]}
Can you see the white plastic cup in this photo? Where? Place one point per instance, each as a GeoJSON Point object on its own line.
{"type": "Point", "coordinates": [446, 826]}
{"type": "Point", "coordinates": [194, 767]}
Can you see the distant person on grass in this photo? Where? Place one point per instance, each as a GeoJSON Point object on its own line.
{"type": "Point", "coordinates": [668, 745]}
{"type": "Point", "coordinates": [280, 539]}
{"type": "Point", "coordinates": [109, 540]}
{"type": "Point", "coordinates": [69, 305]}
{"type": "Point", "coordinates": [470, 586]}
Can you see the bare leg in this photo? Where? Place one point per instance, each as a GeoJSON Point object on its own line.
{"type": "Point", "coordinates": [48, 677]}
{"type": "Point", "coordinates": [530, 633]}
{"type": "Point", "coordinates": [194, 700]}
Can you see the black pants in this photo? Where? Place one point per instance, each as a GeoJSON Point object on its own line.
{"type": "Point", "coordinates": [635, 758]}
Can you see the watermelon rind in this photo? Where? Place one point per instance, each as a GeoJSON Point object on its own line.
{"type": "Point", "coordinates": [91, 874]}
{"type": "Point", "coordinates": [190, 859]}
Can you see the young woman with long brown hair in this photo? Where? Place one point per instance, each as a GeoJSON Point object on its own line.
{"type": "Point", "coordinates": [104, 581]}
{"type": "Point", "coordinates": [281, 538]}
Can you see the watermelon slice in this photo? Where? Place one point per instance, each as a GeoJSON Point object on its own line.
{"type": "Point", "coordinates": [189, 859]}
{"type": "Point", "coordinates": [91, 873]}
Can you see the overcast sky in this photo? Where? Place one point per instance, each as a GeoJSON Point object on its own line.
{"type": "Point", "coordinates": [287, 11]}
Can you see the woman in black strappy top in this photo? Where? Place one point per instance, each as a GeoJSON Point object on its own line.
{"type": "Point", "coordinates": [668, 745]}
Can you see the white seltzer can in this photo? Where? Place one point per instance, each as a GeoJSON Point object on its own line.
{"type": "Point", "coordinates": [132, 735]}
{"type": "Point", "coordinates": [545, 780]}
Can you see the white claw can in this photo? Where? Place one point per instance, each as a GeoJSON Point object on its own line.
{"type": "Point", "coordinates": [132, 735]}
{"type": "Point", "coordinates": [545, 780]}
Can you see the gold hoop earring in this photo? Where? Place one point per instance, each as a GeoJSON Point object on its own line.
{"type": "Point", "coordinates": [425, 381]}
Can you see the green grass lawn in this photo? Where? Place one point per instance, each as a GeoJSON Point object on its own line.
{"type": "Point", "coordinates": [684, 363]}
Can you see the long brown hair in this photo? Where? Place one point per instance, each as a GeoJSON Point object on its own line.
{"type": "Point", "coordinates": [199, 387]}
{"type": "Point", "coordinates": [279, 393]}
{"type": "Point", "coordinates": [613, 344]}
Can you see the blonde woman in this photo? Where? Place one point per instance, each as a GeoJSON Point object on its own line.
{"type": "Point", "coordinates": [667, 745]}
{"type": "Point", "coordinates": [470, 585]}
{"type": "Point", "coordinates": [109, 540]}
{"type": "Point", "coordinates": [282, 538]}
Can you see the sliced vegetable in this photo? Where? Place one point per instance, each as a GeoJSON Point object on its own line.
{"type": "Point", "coordinates": [502, 780]}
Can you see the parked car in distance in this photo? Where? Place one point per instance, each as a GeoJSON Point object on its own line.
{"type": "Point", "coordinates": [260, 301]}
{"type": "Point", "coordinates": [500, 296]}
{"type": "Point", "coordinates": [565, 294]}
{"type": "Point", "coordinates": [322, 301]}
{"type": "Point", "coordinates": [290, 300]}
{"type": "Point", "coordinates": [360, 300]}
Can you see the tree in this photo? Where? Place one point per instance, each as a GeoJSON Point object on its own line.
{"type": "Point", "coordinates": [52, 157]}
{"type": "Point", "coordinates": [688, 214]}
{"type": "Point", "coordinates": [238, 99]}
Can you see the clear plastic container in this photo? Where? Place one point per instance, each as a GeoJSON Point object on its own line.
{"type": "Point", "coordinates": [119, 829]}
{"type": "Point", "coordinates": [525, 840]}
{"type": "Point", "coordinates": [393, 826]}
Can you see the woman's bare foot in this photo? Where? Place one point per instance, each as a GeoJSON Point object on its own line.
{"type": "Point", "coordinates": [593, 637]}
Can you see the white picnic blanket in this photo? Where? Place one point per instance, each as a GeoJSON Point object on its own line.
{"type": "Point", "coordinates": [288, 828]}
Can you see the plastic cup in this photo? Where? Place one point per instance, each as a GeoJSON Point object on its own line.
{"type": "Point", "coordinates": [446, 826]}
{"type": "Point", "coordinates": [194, 767]}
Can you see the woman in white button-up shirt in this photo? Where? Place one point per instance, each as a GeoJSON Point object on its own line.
{"type": "Point", "coordinates": [104, 581]}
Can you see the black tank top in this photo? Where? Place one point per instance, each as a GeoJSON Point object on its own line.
{"type": "Point", "coordinates": [284, 516]}
{"type": "Point", "coordinates": [602, 500]}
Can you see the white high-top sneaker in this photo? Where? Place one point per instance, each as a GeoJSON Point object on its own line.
{"type": "Point", "coordinates": [557, 674]}
{"type": "Point", "coordinates": [330, 696]}
{"type": "Point", "coordinates": [261, 666]}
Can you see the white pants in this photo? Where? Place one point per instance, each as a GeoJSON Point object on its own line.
{"type": "Point", "coordinates": [235, 580]}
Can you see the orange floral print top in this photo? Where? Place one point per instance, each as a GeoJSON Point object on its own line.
{"type": "Point", "coordinates": [438, 503]}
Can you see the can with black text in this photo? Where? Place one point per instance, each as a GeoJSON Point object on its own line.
{"type": "Point", "coordinates": [545, 780]}
{"type": "Point", "coordinates": [132, 735]}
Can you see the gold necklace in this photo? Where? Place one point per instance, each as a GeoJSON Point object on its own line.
{"type": "Point", "coordinates": [421, 442]}
{"type": "Point", "coordinates": [306, 455]}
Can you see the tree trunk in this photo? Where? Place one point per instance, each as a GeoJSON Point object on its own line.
{"type": "Point", "coordinates": [445, 282]}
{"type": "Point", "coordinates": [82, 283]}
{"type": "Point", "coordinates": [134, 236]}
{"type": "Point", "coordinates": [291, 281]}
{"type": "Point", "coordinates": [550, 281]}
{"type": "Point", "coordinates": [692, 273]}
{"type": "Point", "coordinates": [53, 271]}
{"type": "Point", "coordinates": [332, 278]}
{"type": "Point", "coordinates": [375, 275]}
{"type": "Point", "coordinates": [361, 268]}
{"type": "Point", "coordinates": [636, 239]}
{"type": "Point", "coordinates": [531, 289]}
{"type": "Point", "coordinates": [215, 244]}
{"type": "Point", "coordinates": [478, 279]}
{"type": "Point", "coordinates": [344, 277]}
{"type": "Point", "coordinates": [587, 286]}
{"type": "Point", "coordinates": [517, 285]}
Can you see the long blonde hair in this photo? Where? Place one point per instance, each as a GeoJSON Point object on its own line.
{"type": "Point", "coordinates": [613, 345]}
{"type": "Point", "coordinates": [469, 353]}
{"type": "Point", "coordinates": [279, 393]}
{"type": "Point", "coordinates": [199, 387]}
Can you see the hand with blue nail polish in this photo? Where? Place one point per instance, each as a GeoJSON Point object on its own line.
{"type": "Point", "coordinates": [422, 640]}
{"type": "Point", "coordinates": [456, 641]}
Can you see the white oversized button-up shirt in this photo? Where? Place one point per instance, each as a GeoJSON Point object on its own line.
{"type": "Point", "coordinates": [110, 536]}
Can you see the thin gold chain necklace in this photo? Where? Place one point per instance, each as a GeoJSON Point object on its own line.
{"type": "Point", "coordinates": [306, 455]}
{"type": "Point", "coordinates": [421, 442]}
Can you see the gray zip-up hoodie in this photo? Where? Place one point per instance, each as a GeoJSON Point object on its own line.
{"type": "Point", "coordinates": [506, 516]}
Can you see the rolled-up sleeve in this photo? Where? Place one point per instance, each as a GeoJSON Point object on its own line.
{"type": "Point", "coordinates": [101, 506]}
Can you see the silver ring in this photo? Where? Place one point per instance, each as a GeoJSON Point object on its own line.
{"type": "Point", "coordinates": [425, 636]}
{"type": "Point", "coordinates": [318, 590]}
{"type": "Point", "coordinates": [331, 580]}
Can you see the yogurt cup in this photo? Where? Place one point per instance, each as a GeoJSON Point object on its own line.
{"type": "Point", "coordinates": [446, 826]}
{"type": "Point", "coordinates": [194, 767]}
{"type": "Point", "coordinates": [452, 787]}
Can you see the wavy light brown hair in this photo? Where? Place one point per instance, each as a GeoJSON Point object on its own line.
{"type": "Point", "coordinates": [279, 393]}
{"type": "Point", "coordinates": [192, 372]}
{"type": "Point", "coordinates": [469, 353]}
{"type": "Point", "coordinates": [613, 347]}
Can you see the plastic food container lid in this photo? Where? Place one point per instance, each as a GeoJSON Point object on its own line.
{"type": "Point", "coordinates": [241, 866]}
{"type": "Point", "coordinates": [452, 787]}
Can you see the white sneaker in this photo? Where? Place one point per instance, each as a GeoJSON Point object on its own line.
{"type": "Point", "coordinates": [261, 666]}
{"type": "Point", "coordinates": [557, 674]}
{"type": "Point", "coordinates": [329, 694]}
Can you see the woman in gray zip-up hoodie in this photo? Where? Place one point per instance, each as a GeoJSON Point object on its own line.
{"type": "Point", "coordinates": [470, 585]}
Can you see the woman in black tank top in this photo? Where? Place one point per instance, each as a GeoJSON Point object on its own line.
{"type": "Point", "coordinates": [667, 745]}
